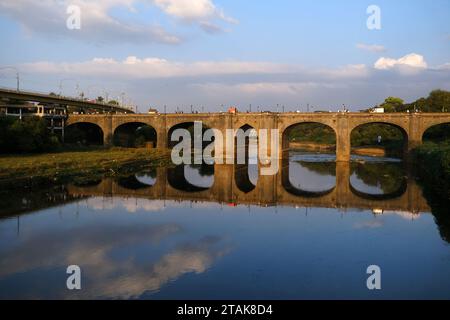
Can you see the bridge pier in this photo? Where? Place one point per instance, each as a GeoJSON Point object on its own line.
{"type": "Point", "coordinates": [343, 140]}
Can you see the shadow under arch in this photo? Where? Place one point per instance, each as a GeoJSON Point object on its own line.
{"type": "Point", "coordinates": [176, 178]}
{"type": "Point", "coordinates": [85, 133]}
{"type": "Point", "coordinates": [187, 126]}
{"type": "Point", "coordinates": [290, 188]}
{"type": "Point", "coordinates": [366, 135]}
{"type": "Point", "coordinates": [134, 134]}
{"type": "Point", "coordinates": [242, 175]}
{"type": "Point", "coordinates": [437, 133]}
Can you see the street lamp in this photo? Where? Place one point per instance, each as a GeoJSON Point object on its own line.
{"type": "Point", "coordinates": [17, 75]}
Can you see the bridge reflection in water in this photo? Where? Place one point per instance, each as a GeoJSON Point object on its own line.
{"type": "Point", "coordinates": [234, 184]}
{"type": "Point", "coordinates": [176, 233]}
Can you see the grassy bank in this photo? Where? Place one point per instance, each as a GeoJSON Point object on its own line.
{"type": "Point", "coordinates": [81, 164]}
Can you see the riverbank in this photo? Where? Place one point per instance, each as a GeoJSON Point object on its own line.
{"type": "Point", "coordinates": [312, 146]}
{"type": "Point", "coordinates": [371, 151]}
{"type": "Point", "coordinates": [82, 164]}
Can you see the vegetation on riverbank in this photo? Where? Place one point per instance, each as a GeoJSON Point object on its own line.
{"type": "Point", "coordinates": [29, 135]}
{"type": "Point", "coordinates": [432, 162]}
{"type": "Point", "coordinates": [433, 167]}
{"type": "Point", "coordinates": [87, 163]}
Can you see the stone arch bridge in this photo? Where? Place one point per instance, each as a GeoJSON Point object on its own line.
{"type": "Point", "coordinates": [412, 125]}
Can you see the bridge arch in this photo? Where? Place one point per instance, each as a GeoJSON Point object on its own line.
{"type": "Point", "coordinates": [308, 131]}
{"type": "Point", "coordinates": [86, 133]}
{"type": "Point", "coordinates": [135, 134]}
{"type": "Point", "coordinates": [437, 133]}
{"type": "Point", "coordinates": [393, 137]}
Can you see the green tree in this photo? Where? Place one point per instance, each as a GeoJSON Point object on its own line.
{"type": "Point", "coordinates": [439, 101]}
{"type": "Point", "coordinates": [27, 135]}
{"type": "Point", "coordinates": [392, 104]}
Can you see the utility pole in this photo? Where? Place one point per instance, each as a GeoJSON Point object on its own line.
{"type": "Point", "coordinates": [17, 75]}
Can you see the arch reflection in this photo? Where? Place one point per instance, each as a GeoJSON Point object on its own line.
{"type": "Point", "coordinates": [378, 180]}
{"type": "Point", "coordinates": [191, 178]}
{"type": "Point", "coordinates": [309, 174]}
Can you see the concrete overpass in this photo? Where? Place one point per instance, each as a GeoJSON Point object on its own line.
{"type": "Point", "coordinates": [412, 125]}
{"type": "Point", "coordinates": [25, 96]}
{"type": "Point", "coordinates": [229, 187]}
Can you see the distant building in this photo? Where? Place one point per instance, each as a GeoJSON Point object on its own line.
{"type": "Point", "coordinates": [377, 110]}
{"type": "Point", "coordinates": [232, 110]}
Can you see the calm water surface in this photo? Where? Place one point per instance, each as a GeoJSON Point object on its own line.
{"type": "Point", "coordinates": [193, 233]}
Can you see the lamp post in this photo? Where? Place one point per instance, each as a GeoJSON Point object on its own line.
{"type": "Point", "coordinates": [17, 75]}
{"type": "Point", "coordinates": [61, 84]}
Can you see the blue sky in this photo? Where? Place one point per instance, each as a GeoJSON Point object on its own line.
{"type": "Point", "coordinates": [213, 52]}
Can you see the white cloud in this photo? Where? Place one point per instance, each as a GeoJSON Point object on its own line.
{"type": "Point", "coordinates": [98, 24]}
{"type": "Point", "coordinates": [212, 83]}
{"type": "Point", "coordinates": [411, 60]}
{"type": "Point", "coordinates": [264, 88]}
{"type": "Point", "coordinates": [371, 47]}
{"type": "Point", "coordinates": [149, 68]}
{"type": "Point", "coordinates": [202, 12]}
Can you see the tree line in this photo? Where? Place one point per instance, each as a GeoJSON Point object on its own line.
{"type": "Point", "coordinates": [28, 135]}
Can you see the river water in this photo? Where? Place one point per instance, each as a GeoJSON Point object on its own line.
{"type": "Point", "coordinates": [205, 232]}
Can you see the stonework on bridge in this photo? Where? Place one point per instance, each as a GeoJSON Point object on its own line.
{"type": "Point", "coordinates": [412, 125]}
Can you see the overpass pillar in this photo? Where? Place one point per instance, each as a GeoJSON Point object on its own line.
{"type": "Point", "coordinates": [343, 144]}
